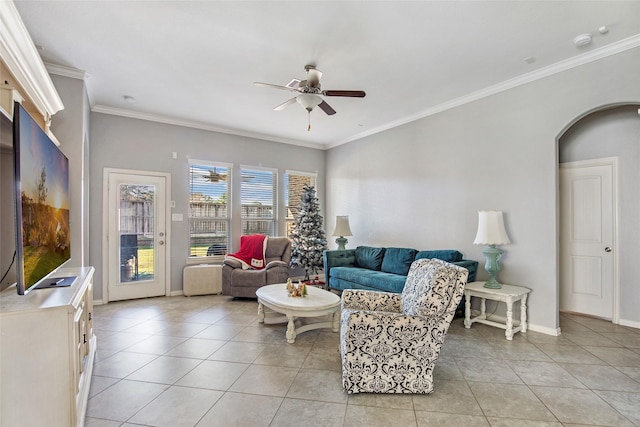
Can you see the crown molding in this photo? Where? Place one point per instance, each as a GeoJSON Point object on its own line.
{"type": "Point", "coordinates": [61, 70]}
{"type": "Point", "coordinates": [21, 57]}
{"type": "Point", "coordinates": [197, 125]}
{"type": "Point", "coordinates": [559, 67]}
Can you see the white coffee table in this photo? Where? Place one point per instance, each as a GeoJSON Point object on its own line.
{"type": "Point", "coordinates": [317, 303]}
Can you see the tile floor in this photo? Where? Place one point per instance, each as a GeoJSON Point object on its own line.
{"type": "Point", "coordinates": [206, 361]}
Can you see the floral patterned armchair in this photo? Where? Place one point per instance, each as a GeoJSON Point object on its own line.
{"type": "Point", "coordinates": [390, 342]}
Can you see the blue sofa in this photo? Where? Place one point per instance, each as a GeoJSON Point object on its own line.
{"type": "Point", "coordinates": [381, 269]}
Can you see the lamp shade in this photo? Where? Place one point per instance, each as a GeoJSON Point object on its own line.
{"type": "Point", "coordinates": [491, 229]}
{"type": "Point", "coordinates": [342, 226]}
{"type": "Point", "coordinates": [309, 101]}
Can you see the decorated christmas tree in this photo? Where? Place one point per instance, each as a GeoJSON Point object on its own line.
{"type": "Point", "coordinates": [307, 237]}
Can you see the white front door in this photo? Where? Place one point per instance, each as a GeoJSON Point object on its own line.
{"type": "Point", "coordinates": [587, 240]}
{"type": "Point", "coordinates": [137, 240]}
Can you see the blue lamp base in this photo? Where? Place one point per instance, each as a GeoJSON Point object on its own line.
{"type": "Point", "coordinates": [341, 241]}
{"type": "Point", "coordinates": [492, 255]}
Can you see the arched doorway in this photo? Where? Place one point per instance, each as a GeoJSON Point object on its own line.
{"type": "Point", "coordinates": [611, 132]}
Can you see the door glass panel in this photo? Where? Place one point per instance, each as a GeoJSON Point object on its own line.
{"type": "Point", "coordinates": [137, 223]}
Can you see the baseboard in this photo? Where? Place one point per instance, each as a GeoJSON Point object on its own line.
{"type": "Point", "coordinates": [545, 330]}
{"type": "Point", "coordinates": [171, 294]}
{"type": "Point", "coordinates": [629, 323]}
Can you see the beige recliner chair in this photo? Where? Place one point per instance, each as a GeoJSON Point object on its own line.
{"type": "Point", "coordinates": [243, 283]}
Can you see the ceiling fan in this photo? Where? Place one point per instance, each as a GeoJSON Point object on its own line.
{"type": "Point", "coordinates": [310, 92]}
{"type": "Point", "coordinates": [214, 176]}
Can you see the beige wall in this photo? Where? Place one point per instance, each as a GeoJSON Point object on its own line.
{"type": "Point", "coordinates": [496, 153]}
{"type": "Point", "coordinates": [118, 142]}
{"type": "Point", "coordinates": [70, 126]}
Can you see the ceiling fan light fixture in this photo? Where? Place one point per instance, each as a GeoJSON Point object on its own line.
{"type": "Point", "coordinates": [308, 101]}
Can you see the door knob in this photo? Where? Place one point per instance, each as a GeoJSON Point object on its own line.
{"type": "Point", "coordinates": [161, 242]}
{"type": "Point", "coordinates": [607, 249]}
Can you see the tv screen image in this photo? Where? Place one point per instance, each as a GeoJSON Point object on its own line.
{"type": "Point", "coordinates": [42, 204]}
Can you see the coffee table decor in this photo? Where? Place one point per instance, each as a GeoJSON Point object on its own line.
{"type": "Point", "coordinates": [299, 290]}
{"type": "Point", "coordinates": [320, 309]}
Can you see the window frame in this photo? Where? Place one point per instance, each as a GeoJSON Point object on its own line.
{"type": "Point", "coordinates": [275, 201]}
{"type": "Point", "coordinates": [229, 204]}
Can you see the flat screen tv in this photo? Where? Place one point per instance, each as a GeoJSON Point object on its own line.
{"type": "Point", "coordinates": [42, 205]}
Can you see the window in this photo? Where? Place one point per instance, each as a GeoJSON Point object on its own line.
{"type": "Point", "coordinates": [209, 208]}
{"type": "Point", "coordinates": [258, 189]}
{"type": "Point", "coordinates": [294, 183]}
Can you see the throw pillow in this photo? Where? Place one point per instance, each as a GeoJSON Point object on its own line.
{"type": "Point", "coordinates": [369, 257]}
{"type": "Point", "coordinates": [449, 255]}
{"type": "Point", "coordinates": [398, 260]}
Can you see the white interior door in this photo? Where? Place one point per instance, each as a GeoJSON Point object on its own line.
{"type": "Point", "coordinates": [137, 237]}
{"type": "Point", "coordinates": [587, 256]}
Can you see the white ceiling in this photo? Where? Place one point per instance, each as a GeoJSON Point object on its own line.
{"type": "Point", "coordinates": [194, 62]}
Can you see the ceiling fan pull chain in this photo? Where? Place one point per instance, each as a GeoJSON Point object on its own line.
{"type": "Point", "coordinates": [309, 121]}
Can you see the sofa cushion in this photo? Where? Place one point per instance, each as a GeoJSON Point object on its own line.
{"type": "Point", "coordinates": [449, 255]}
{"type": "Point", "coordinates": [471, 266]}
{"type": "Point", "coordinates": [345, 258]}
{"type": "Point", "coordinates": [362, 278]}
{"type": "Point", "coordinates": [398, 260]}
{"type": "Point", "coordinates": [369, 257]}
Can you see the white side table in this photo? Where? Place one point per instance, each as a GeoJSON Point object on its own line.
{"type": "Point", "coordinates": [507, 294]}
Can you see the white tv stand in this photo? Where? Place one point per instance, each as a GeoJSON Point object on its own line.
{"type": "Point", "coordinates": [47, 348]}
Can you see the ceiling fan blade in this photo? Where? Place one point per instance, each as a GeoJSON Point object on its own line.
{"type": "Point", "coordinates": [349, 93]}
{"type": "Point", "coordinates": [285, 104]}
{"type": "Point", "coordinates": [275, 86]}
{"type": "Point", "coordinates": [327, 108]}
{"type": "Point", "coordinates": [294, 84]}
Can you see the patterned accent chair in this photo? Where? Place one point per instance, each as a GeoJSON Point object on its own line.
{"type": "Point", "coordinates": [390, 342]}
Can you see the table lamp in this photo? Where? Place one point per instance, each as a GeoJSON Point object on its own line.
{"type": "Point", "coordinates": [342, 229]}
{"type": "Point", "coordinates": [491, 232]}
